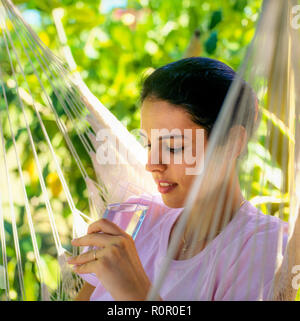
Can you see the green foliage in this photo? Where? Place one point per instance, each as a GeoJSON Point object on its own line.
{"type": "Point", "coordinates": [113, 50]}
{"type": "Point", "coordinates": [211, 43]}
{"type": "Point", "coordinates": [216, 18]}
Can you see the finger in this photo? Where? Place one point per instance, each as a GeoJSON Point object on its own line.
{"type": "Point", "coordinates": [89, 267]}
{"type": "Point", "coordinates": [85, 257]}
{"type": "Point", "coordinates": [92, 266]}
{"type": "Point", "coordinates": [106, 226]}
{"type": "Point", "coordinates": [94, 239]}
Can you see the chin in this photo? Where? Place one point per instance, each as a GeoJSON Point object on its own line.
{"type": "Point", "coordinates": [171, 202]}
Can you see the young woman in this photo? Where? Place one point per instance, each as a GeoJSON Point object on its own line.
{"type": "Point", "coordinates": [187, 94]}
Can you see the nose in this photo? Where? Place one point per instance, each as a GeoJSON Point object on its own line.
{"type": "Point", "coordinates": [154, 163]}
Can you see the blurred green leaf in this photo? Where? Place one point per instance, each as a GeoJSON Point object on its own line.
{"type": "Point", "coordinates": [239, 5]}
{"type": "Point", "coordinates": [211, 43]}
{"type": "Point", "coordinates": [216, 18]}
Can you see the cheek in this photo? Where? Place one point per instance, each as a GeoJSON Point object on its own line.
{"type": "Point", "coordinates": [188, 181]}
{"type": "Point", "coordinates": [197, 149]}
{"type": "Point", "coordinates": [183, 179]}
{"type": "Point", "coordinates": [194, 158]}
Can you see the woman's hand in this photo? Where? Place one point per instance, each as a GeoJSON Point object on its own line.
{"type": "Point", "coordinates": [115, 261]}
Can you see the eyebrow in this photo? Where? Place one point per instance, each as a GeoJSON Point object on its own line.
{"type": "Point", "coordinates": [165, 136]}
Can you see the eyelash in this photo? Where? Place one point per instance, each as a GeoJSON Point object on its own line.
{"type": "Point", "coordinates": [172, 150]}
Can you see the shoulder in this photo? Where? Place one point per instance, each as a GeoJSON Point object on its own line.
{"type": "Point", "coordinates": [253, 244]}
{"type": "Point", "coordinates": [252, 234]}
{"type": "Point", "coordinates": [255, 238]}
{"type": "Point", "coordinates": [265, 228]}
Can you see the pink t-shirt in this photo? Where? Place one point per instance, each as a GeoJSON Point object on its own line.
{"type": "Point", "coordinates": [238, 264]}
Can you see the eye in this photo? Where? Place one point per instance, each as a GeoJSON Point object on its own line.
{"type": "Point", "coordinates": [171, 150]}
{"type": "Point", "coordinates": [175, 150]}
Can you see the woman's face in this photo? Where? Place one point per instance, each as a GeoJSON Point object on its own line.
{"type": "Point", "coordinates": [176, 147]}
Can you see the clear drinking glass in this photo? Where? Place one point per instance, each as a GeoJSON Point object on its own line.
{"type": "Point", "coordinates": [128, 216]}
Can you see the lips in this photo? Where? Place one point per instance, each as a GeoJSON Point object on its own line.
{"type": "Point", "coordinates": [165, 186]}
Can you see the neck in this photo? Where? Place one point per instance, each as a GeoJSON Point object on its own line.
{"type": "Point", "coordinates": [217, 210]}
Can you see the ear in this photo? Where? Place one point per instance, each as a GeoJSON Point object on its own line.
{"type": "Point", "coordinates": [237, 140]}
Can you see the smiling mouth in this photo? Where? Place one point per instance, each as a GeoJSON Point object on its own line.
{"type": "Point", "coordinates": [165, 188]}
